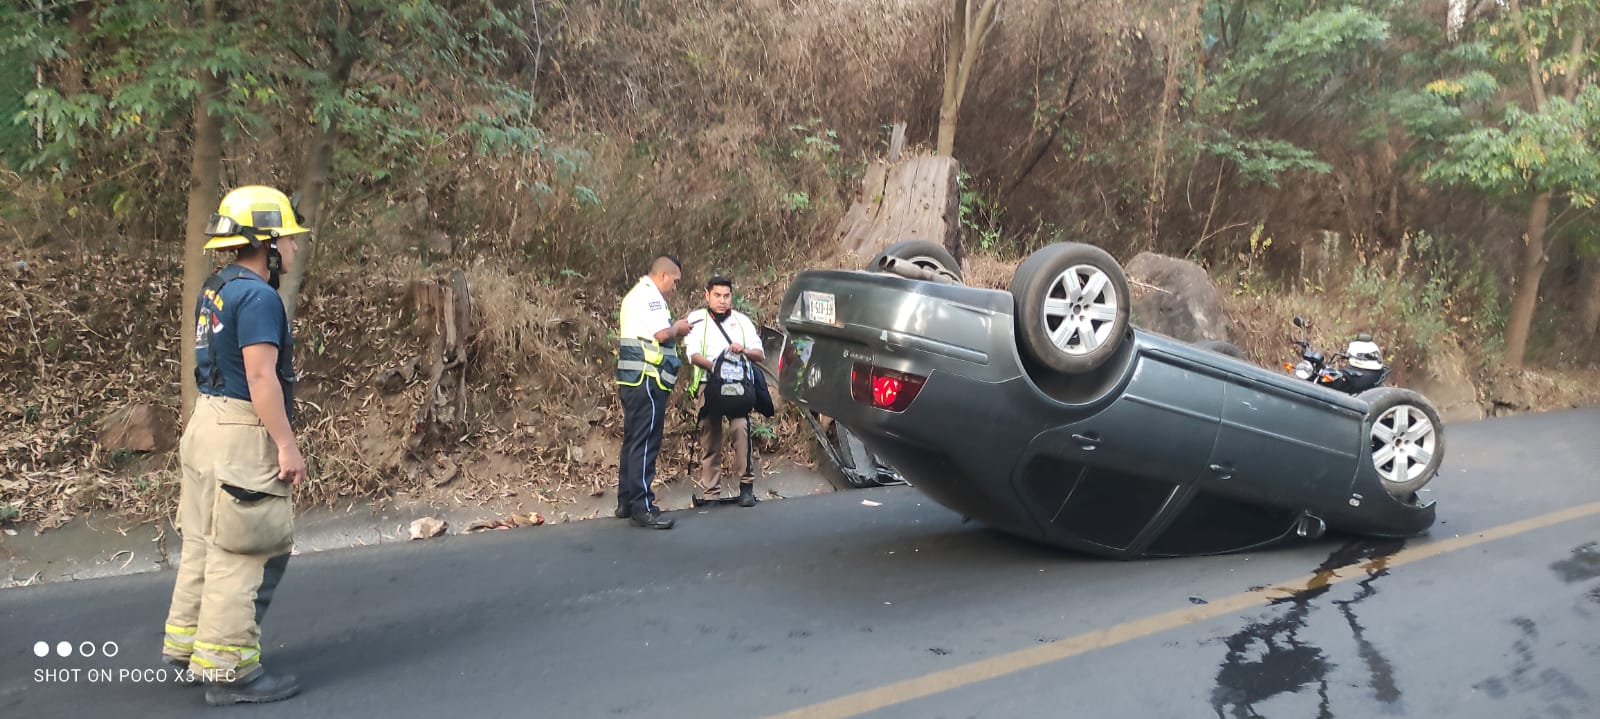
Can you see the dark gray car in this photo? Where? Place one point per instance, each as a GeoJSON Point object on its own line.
{"type": "Point", "coordinates": [1041, 412]}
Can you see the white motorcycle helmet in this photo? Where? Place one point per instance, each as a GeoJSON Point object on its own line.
{"type": "Point", "coordinates": [1364, 353]}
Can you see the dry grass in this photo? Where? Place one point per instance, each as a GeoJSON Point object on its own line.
{"type": "Point", "coordinates": [86, 334]}
{"type": "Point", "coordinates": [545, 424]}
{"type": "Point", "coordinates": [731, 134]}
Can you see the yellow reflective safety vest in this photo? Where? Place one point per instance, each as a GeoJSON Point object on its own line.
{"type": "Point", "coordinates": [706, 329]}
{"type": "Point", "coordinates": [638, 356]}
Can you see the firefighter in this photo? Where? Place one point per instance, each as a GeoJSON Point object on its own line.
{"type": "Point", "coordinates": [647, 368]}
{"type": "Point", "coordinates": [239, 455]}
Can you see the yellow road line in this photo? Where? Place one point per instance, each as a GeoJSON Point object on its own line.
{"type": "Point", "coordinates": [900, 692]}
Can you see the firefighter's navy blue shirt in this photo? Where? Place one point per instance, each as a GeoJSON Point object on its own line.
{"type": "Point", "coordinates": [249, 312]}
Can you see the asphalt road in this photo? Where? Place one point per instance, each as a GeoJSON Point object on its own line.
{"type": "Point", "coordinates": [825, 606]}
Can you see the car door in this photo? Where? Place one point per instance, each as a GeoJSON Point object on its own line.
{"type": "Point", "coordinates": [1103, 480]}
{"type": "Point", "coordinates": [1283, 447]}
{"type": "Point", "coordinates": [1163, 425]}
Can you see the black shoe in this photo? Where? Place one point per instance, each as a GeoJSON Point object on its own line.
{"type": "Point", "coordinates": [651, 520]}
{"type": "Point", "coordinates": [262, 688]}
{"type": "Point", "coordinates": [747, 494]}
{"type": "Point", "coordinates": [621, 512]}
{"type": "Point", "coordinates": [696, 502]}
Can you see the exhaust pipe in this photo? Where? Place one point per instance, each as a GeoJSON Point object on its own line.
{"type": "Point", "coordinates": [907, 269]}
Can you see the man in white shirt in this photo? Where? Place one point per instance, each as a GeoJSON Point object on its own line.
{"type": "Point", "coordinates": [647, 367]}
{"type": "Point", "coordinates": [721, 332]}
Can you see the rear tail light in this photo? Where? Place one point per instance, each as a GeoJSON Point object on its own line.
{"type": "Point", "coordinates": [884, 388]}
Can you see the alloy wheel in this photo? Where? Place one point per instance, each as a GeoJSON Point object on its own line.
{"type": "Point", "coordinates": [1404, 440]}
{"type": "Point", "coordinates": [1080, 311]}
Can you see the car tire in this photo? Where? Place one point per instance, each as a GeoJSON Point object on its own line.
{"type": "Point", "coordinates": [1071, 306]}
{"type": "Point", "coordinates": [1406, 437]}
{"type": "Point", "coordinates": [927, 255]}
{"type": "Point", "coordinates": [1227, 349]}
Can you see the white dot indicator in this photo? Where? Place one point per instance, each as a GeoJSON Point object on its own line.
{"type": "Point", "coordinates": [64, 649]}
{"type": "Point", "coordinates": [41, 649]}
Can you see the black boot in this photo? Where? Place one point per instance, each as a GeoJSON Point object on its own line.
{"type": "Point", "coordinates": [622, 511]}
{"type": "Point", "coordinates": [747, 494]}
{"type": "Point", "coordinates": [651, 520]}
{"type": "Point", "coordinates": [261, 688]}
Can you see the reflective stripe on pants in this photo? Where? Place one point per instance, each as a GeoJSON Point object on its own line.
{"type": "Point", "coordinates": [219, 597]}
{"type": "Point", "coordinates": [644, 412]}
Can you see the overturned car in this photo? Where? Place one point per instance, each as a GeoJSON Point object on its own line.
{"type": "Point", "coordinates": [1040, 411]}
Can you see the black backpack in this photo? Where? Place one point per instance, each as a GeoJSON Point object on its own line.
{"type": "Point", "coordinates": [730, 385]}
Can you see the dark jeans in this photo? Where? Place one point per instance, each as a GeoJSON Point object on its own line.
{"type": "Point", "coordinates": [644, 412]}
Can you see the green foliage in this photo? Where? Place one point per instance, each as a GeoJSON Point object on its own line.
{"type": "Point", "coordinates": [980, 216]}
{"type": "Point", "coordinates": [742, 303]}
{"type": "Point", "coordinates": [1439, 109]}
{"type": "Point", "coordinates": [9, 513]}
{"type": "Point", "coordinates": [1275, 60]}
{"type": "Point", "coordinates": [1482, 137]}
{"type": "Point", "coordinates": [409, 88]}
{"type": "Point", "coordinates": [16, 79]}
{"type": "Point", "coordinates": [1528, 153]}
{"type": "Point", "coordinates": [816, 139]}
{"type": "Point", "coordinates": [818, 144]}
{"type": "Point", "coordinates": [797, 201]}
{"type": "Point", "coordinates": [1446, 295]}
{"type": "Point", "coordinates": [1252, 279]}
{"type": "Point", "coordinates": [1306, 53]}
{"type": "Point", "coordinates": [761, 431]}
{"type": "Point", "coordinates": [1262, 160]}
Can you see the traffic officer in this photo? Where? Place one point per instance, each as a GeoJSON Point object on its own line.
{"type": "Point", "coordinates": [239, 455]}
{"type": "Point", "coordinates": [647, 367]}
{"type": "Point", "coordinates": [729, 335]}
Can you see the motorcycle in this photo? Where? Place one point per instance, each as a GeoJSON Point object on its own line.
{"type": "Point", "coordinates": [1362, 370]}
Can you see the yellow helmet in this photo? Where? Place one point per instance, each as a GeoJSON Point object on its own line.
{"type": "Point", "coordinates": [251, 215]}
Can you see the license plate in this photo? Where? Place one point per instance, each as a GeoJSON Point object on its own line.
{"type": "Point", "coordinates": [819, 307]}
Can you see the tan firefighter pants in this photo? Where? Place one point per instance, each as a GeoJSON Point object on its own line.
{"type": "Point", "coordinates": [236, 541]}
{"type": "Point", "coordinates": [710, 479]}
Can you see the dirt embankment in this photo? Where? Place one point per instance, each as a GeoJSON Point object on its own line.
{"type": "Point", "coordinates": [95, 336]}
{"type": "Point", "coordinates": [90, 336]}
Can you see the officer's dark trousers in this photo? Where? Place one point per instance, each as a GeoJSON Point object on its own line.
{"type": "Point", "coordinates": [644, 410]}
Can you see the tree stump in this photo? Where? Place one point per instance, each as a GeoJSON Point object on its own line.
{"type": "Point", "coordinates": [905, 199]}
{"type": "Point", "coordinates": [444, 325]}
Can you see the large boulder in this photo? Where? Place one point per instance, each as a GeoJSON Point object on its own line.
{"type": "Point", "coordinates": [138, 428]}
{"type": "Point", "coordinates": [1177, 298]}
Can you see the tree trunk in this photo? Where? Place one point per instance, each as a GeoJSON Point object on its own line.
{"type": "Point", "coordinates": [445, 323]}
{"type": "Point", "coordinates": [1535, 254]}
{"type": "Point", "coordinates": [967, 31]}
{"type": "Point", "coordinates": [1526, 298]}
{"type": "Point", "coordinates": [949, 108]}
{"type": "Point", "coordinates": [319, 163]}
{"type": "Point", "coordinates": [205, 176]}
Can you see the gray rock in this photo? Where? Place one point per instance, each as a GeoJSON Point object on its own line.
{"type": "Point", "coordinates": [1177, 298]}
{"type": "Point", "coordinates": [139, 428]}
